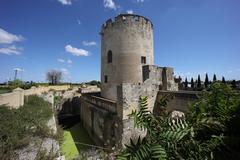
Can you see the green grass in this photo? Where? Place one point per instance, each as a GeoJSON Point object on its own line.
{"type": "Point", "coordinates": [5, 90]}
{"type": "Point", "coordinates": [74, 134]}
{"type": "Point", "coordinates": [19, 126]}
{"type": "Point", "coordinates": [68, 147]}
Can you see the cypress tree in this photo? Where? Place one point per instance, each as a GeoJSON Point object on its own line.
{"type": "Point", "coordinates": [180, 79]}
{"type": "Point", "coordinates": [234, 84]}
{"type": "Point", "coordinates": [199, 82]}
{"type": "Point", "coordinates": [223, 80]}
{"type": "Point", "coordinates": [192, 83]}
{"type": "Point", "coordinates": [186, 83]}
{"type": "Point", "coordinates": [206, 83]}
{"type": "Point", "coordinates": [214, 78]}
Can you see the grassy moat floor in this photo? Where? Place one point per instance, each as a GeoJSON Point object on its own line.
{"type": "Point", "coordinates": [70, 146]}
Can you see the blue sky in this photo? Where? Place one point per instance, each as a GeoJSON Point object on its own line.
{"type": "Point", "coordinates": [193, 36]}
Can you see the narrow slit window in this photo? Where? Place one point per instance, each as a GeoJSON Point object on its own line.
{"type": "Point", "coordinates": [105, 79]}
{"type": "Point", "coordinates": [109, 56]}
{"type": "Point", "coordinates": [143, 60]}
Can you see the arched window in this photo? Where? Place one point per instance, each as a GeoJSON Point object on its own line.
{"type": "Point", "coordinates": [109, 56]}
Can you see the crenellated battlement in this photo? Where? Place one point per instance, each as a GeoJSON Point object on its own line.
{"type": "Point", "coordinates": [127, 19]}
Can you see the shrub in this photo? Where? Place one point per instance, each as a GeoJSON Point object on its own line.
{"type": "Point", "coordinates": [18, 126]}
{"type": "Point", "coordinates": [210, 129]}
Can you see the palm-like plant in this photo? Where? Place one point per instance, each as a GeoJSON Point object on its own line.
{"type": "Point", "coordinates": [207, 131]}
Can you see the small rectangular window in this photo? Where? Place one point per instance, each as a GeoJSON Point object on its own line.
{"type": "Point", "coordinates": [109, 56]}
{"type": "Point", "coordinates": [105, 79]}
{"type": "Point", "coordinates": [143, 60]}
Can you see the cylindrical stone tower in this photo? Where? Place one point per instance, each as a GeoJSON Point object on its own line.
{"type": "Point", "coordinates": [127, 45]}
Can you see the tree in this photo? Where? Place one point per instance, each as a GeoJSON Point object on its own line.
{"type": "Point", "coordinates": [180, 78]}
{"type": "Point", "coordinates": [54, 77]}
{"type": "Point", "coordinates": [214, 78]}
{"type": "Point", "coordinates": [192, 83]}
{"type": "Point", "coordinates": [223, 80]}
{"type": "Point", "coordinates": [206, 83]}
{"type": "Point", "coordinates": [209, 130]}
{"type": "Point", "coordinates": [16, 83]}
{"type": "Point", "coordinates": [94, 82]}
{"type": "Point", "coordinates": [199, 82]}
{"type": "Point", "coordinates": [233, 83]}
{"type": "Point", "coordinates": [186, 83]}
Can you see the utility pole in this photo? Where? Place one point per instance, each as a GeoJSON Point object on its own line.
{"type": "Point", "coordinates": [15, 74]}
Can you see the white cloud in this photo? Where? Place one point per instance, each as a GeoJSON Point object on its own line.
{"type": "Point", "coordinates": [91, 43]}
{"type": "Point", "coordinates": [65, 2]}
{"type": "Point", "coordinates": [61, 60]}
{"type": "Point", "coordinates": [65, 71]}
{"type": "Point", "coordinates": [69, 61]}
{"type": "Point", "coordinates": [76, 51]}
{"type": "Point", "coordinates": [130, 11]}
{"type": "Point", "coordinates": [18, 69]}
{"type": "Point", "coordinates": [9, 38]}
{"type": "Point", "coordinates": [10, 50]}
{"type": "Point", "coordinates": [140, 1]}
{"type": "Point", "coordinates": [109, 4]}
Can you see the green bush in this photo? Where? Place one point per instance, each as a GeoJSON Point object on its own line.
{"type": "Point", "coordinates": [21, 84]}
{"type": "Point", "coordinates": [210, 129]}
{"type": "Point", "coordinates": [5, 90]}
{"type": "Point", "coordinates": [94, 82]}
{"type": "Point", "coordinates": [18, 126]}
{"type": "Point", "coordinates": [15, 84]}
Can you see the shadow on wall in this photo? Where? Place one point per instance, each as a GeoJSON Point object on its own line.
{"type": "Point", "coordinates": [176, 101]}
{"type": "Point", "coordinates": [69, 114]}
{"type": "Point", "coordinates": [71, 106]}
{"type": "Point", "coordinates": [69, 119]}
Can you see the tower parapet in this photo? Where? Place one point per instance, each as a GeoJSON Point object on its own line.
{"type": "Point", "coordinates": [127, 20]}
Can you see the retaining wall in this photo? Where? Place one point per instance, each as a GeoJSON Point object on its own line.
{"type": "Point", "coordinates": [15, 99]}
{"type": "Point", "coordinates": [180, 100]}
{"type": "Point", "coordinates": [99, 118]}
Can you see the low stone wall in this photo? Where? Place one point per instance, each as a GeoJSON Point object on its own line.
{"type": "Point", "coordinates": [90, 89]}
{"type": "Point", "coordinates": [41, 89]}
{"type": "Point", "coordinates": [103, 103]}
{"type": "Point", "coordinates": [15, 99]}
{"type": "Point", "coordinates": [180, 100]}
{"type": "Point", "coordinates": [99, 118]}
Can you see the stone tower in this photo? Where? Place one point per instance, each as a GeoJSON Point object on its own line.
{"type": "Point", "coordinates": [126, 46]}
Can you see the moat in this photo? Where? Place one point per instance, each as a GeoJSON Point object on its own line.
{"type": "Point", "coordinates": [76, 138]}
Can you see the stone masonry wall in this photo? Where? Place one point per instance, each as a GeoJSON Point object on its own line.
{"type": "Point", "coordinates": [13, 99]}
{"type": "Point", "coordinates": [168, 82]}
{"type": "Point", "coordinates": [180, 100]}
{"type": "Point", "coordinates": [107, 121]}
{"type": "Point", "coordinates": [99, 118]}
{"type": "Point", "coordinates": [128, 99]}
